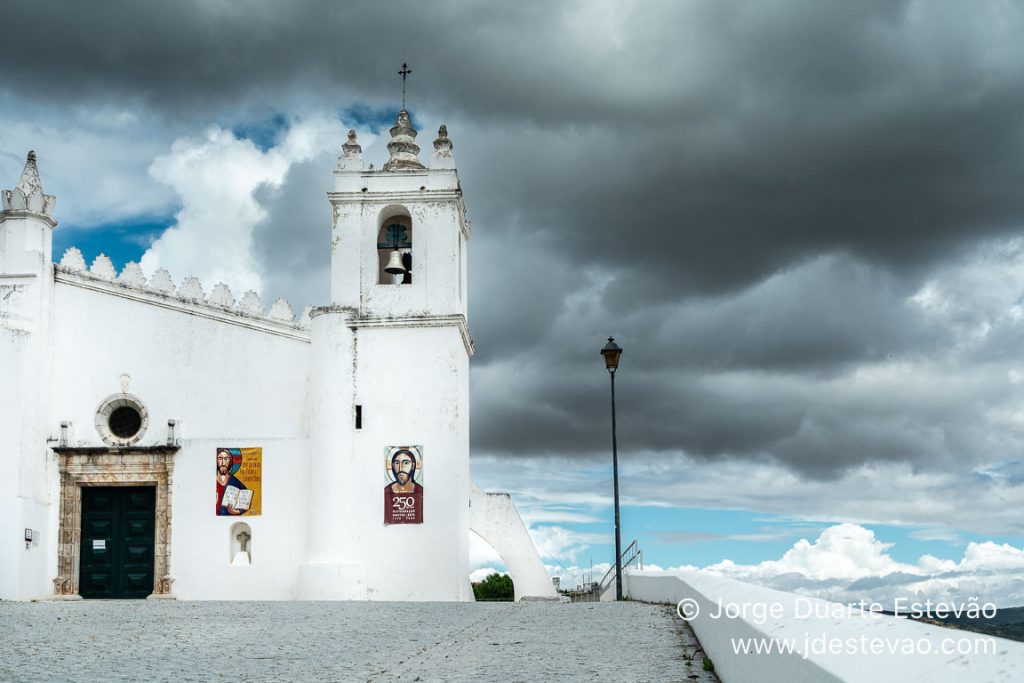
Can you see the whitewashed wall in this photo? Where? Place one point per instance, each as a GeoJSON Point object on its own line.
{"type": "Point", "coordinates": [26, 287]}
{"type": "Point", "coordinates": [809, 622]}
{"type": "Point", "coordinates": [433, 200]}
{"type": "Point", "coordinates": [413, 386]}
{"type": "Point", "coordinates": [227, 385]}
{"type": "Point", "coordinates": [402, 353]}
{"type": "Point", "coordinates": [424, 401]}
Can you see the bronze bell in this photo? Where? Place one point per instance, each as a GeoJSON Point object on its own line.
{"type": "Point", "coordinates": [395, 266]}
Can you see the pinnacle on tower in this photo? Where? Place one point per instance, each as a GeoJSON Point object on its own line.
{"type": "Point", "coordinates": [351, 147]}
{"type": "Point", "coordinates": [351, 158]}
{"type": "Point", "coordinates": [403, 148]}
{"type": "Point", "coordinates": [442, 150]}
{"type": "Point", "coordinates": [28, 194]}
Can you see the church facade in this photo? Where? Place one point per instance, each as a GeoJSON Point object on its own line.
{"type": "Point", "coordinates": [162, 439]}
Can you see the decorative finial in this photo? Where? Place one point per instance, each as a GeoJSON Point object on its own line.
{"type": "Point", "coordinates": [351, 158]}
{"type": "Point", "coordinates": [28, 193]}
{"type": "Point", "coordinates": [404, 72]}
{"type": "Point", "coordinates": [403, 148]}
{"type": "Point", "coordinates": [442, 150]}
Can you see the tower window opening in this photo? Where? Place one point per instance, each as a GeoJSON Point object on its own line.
{"type": "Point", "coordinates": [359, 417]}
{"type": "Point", "coordinates": [394, 251]}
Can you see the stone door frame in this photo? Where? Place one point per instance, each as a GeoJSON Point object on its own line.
{"type": "Point", "coordinates": [126, 466]}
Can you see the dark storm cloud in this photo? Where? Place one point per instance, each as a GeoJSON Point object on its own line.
{"type": "Point", "coordinates": [746, 194]}
{"type": "Point", "coordinates": [291, 241]}
{"type": "Point", "coordinates": [700, 146]}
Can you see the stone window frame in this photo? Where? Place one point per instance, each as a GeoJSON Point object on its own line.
{"type": "Point", "coordinates": [108, 406]}
{"type": "Point", "coordinates": [139, 466]}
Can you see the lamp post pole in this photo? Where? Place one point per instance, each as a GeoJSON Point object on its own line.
{"type": "Point", "coordinates": [611, 353]}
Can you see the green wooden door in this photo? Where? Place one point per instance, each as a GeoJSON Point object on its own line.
{"type": "Point", "coordinates": [117, 541]}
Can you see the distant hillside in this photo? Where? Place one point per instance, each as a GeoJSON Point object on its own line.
{"type": "Point", "coordinates": [1008, 622]}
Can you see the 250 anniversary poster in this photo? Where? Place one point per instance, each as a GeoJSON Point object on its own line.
{"type": "Point", "coordinates": [403, 494]}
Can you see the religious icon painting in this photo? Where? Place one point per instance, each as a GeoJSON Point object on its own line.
{"type": "Point", "coordinates": [403, 494]}
{"type": "Point", "coordinates": [239, 481]}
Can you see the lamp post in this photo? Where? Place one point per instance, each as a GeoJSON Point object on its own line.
{"type": "Point", "coordinates": [611, 353]}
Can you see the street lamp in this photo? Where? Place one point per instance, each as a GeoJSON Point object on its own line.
{"type": "Point", "coordinates": [611, 353]}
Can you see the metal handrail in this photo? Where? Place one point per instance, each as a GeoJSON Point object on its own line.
{"type": "Point", "coordinates": [631, 554]}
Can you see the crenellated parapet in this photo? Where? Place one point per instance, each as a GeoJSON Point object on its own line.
{"type": "Point", "coordinates": [189, 293]}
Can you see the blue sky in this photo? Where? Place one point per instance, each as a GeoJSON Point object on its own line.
{"type": "Point", "coordinates": [122, 242]}
{"type": "Point", "coordinates": [127, 240]}
{"type": "Point", "coordinates": [681, 536]}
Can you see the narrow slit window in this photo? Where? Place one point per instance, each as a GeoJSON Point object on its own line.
{"type": "Point", "coordinates": [359, 417]}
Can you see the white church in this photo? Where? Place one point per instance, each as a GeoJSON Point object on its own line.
{"type": "Point", "coordinates": [163, 439]}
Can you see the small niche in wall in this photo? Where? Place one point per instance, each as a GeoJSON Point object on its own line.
{"type": "Point", "coordinates": [241, 544]}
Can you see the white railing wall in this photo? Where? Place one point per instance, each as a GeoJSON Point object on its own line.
{"type": "Point", "coordinates": [827, 646]}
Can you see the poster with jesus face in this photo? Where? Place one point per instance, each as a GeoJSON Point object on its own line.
{"type": "Point", "coordinates": [239, 481]}
{"type": "Point", "coordinates": [403, 494]}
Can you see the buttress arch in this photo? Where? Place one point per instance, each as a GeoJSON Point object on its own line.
{"type": "Point", "coordinates": [494, 518]}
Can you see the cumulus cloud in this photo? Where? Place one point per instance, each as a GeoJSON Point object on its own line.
{"type": "Point", "coordinates": [482, 573]}
{"type": "Point", "coordinates": [481, 554]}
{"type": "Point", "coordinates": [978, 501]}
{"type": "Point", "coordinates": [846, 563]}
{"type": "Point", "coordinates": [844, 551]}
{"type": "Point", "coordinates": [574, 576]}
{"type": "Point", "coordinates": [556, 542]}
{"type": "Point", "coordinates": [93, 158]}
{"type": "Point", "coordinates": [217, 177]}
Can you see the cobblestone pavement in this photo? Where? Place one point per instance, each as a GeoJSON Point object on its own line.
{"type": "Point", "coordinates": [248, 642]}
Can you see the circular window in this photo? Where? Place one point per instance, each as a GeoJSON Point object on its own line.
{"type": "Point", "coordinates": [121, 420]}
{"type": "Point", "coordinates": [125, 422]}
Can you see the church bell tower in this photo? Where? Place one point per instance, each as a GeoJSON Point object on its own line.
{"type": "Point", "coordinates": [26, 312]}
{"type": "Point", "coordinates": [389, 483]}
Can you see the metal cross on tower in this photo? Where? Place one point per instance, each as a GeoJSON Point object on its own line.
{"type": "Point", "coordinates": [405, 71]}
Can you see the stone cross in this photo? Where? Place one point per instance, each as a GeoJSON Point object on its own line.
{"type": "Point", "coordinates": [243, 538]}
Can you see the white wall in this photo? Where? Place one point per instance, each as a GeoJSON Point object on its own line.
{"type": "Point", "coordinates": [814, 627]}
{"type": "Point", "coordinates": [226, 385]}
{"type": "Point", "coordinates": [402, 353]}
{"type": "Point", "coordinates": [26, 286]}
{"type": "Point", "coordinates": [438, 231]}
{"type": "Point", "coordinates": [413, 386]}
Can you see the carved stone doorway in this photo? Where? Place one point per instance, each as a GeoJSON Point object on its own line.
{"type": "Point", "coordinates": [128, 466]}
